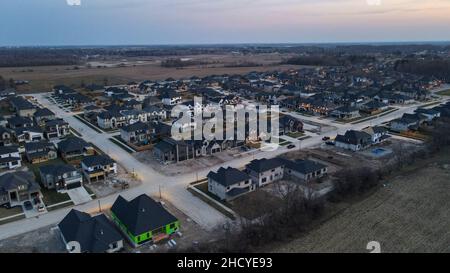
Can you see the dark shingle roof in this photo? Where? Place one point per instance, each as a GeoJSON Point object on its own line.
{"type": "Point", "coordinates": [95, 160]}
{"type": "Point", "coordinates": [94, 234]}
{"type": "Point", "coordinates": [10, 181]}
{"type": "Point", "coordinates": [304, 166]}
{"type": "Point", "coordinates": [353, 137]}
{"type": "Point", "coordinates": [136, 127]}
{"type": "Point", "coordinates": [43, 112]}
{"type": "Point", "coordinates": [72, 144]}
{"type": "Point", "coordinates": [141, 214]}
{"type": "Point", "coordinates": [56, 170]}
{"type": "Point", "coordinates": [262, 165]}
{"type": "Point", "coordinates": [229, 176]}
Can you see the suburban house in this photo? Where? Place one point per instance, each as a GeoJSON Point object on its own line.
{"type": "Point", "coordinates": [28, 134]}
{"type": "Point", "coordinates": [143, 219]}
{"type": "Point", "coordinates": [155, 113]}
{"type": "Point", "coordinates": [170, 97]}
{"type": "Point", "coordinates": [10, 157]}
{"type": "Point", "coordinates": [43, 114]}
{"type": "Point", "coordinates": [430, 114]}
{"type": "Point", "coordinates": [373, 107]}
{"type": "Point", "coordinates": [306, 170]}
{"type": "Point", "coordinates": [138, 133]}
{"type": "Point", "coordinates": [18, 187]}
{"type": "Point", "coordinates": [95, 234]}
{"type": "Point", "coordinates": [6, 136]}
{"type": "Point", "coordinates": [38, 152]}
{"type": "Point", "coordinates": [408, 122]}
{"type": "Point", "coordinates": [98, 167]}
{"type": "Point", "coordinates": [345, 112]}
{"type": "Point", "coordinates": [60, 177]}
{"type": "Point", "coordinates": [56, 128]}
{"type": "Point", "coordinates": [22, 107]}
{"type": "Point", "coordinates": [74, 148]}
{"type": "Point", "coordinates": [20, 122]}
{"type": "Point", "coordinates": [378, 133]}
{"type": "Point", "coordinates": [289, 124]}
{"type": "Point", "coordinates": [111, 120]}
{"type": "Point", "coordinates": [265, 171]}
{"type": "Point", "coordinates": [353, 140]}
{"type": "Point", "coordinates": [229, 183]}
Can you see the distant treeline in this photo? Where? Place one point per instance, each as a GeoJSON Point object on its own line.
{"type": "Point", "coordinates": [438, 68]}
{"type": "Point", "coordinates": [330, 60]}
{"type": "Point", "coordinates": [36, 57]}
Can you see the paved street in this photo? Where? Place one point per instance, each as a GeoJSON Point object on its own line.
{"type": "Point", "coordinates": [172, 188]}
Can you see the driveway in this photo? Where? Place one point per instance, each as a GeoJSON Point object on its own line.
{"type": "Point", "coordinates": [79, 195]}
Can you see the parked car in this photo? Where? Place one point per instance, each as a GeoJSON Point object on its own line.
{"type": "Point", "coordinates": [291, 146]}
{"type": "Point", "coordinates": [41, 208]}
{"type": "Point", "coordinates": [325, 138]}
{"type": "Point", "coordinates": [330, 143]}
{"type": "Point", "coordinates": [28, 205]}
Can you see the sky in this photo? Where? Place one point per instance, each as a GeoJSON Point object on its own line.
{"type": "Point", "coordinates": [148, 22]}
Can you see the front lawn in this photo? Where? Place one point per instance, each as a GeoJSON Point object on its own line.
{"type": "Point", "coordinates": [444, 92]}
{"type": "Point", "coordinates": [52, 197]}
{"type": "Point", "coordinates": [4, 212]}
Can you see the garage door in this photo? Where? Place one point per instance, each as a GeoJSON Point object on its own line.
{"type": "Point", "coordinates": [74, 185]}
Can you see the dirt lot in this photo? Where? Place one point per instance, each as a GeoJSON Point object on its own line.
{"type": "Point", "coordinates": [123, 71]}
{"type": "Point", "coordinates": [410, 214]}
{"type": "Point", "coordinates": [187, 166]}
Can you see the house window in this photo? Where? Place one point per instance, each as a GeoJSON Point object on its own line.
{"type": "Point", "coordinates": [264, 180]}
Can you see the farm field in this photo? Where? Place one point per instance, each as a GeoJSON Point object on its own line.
{"type": "Point", "coordinates": [410, 214]}
{"type": "Point", "coordinates": [42, 78]}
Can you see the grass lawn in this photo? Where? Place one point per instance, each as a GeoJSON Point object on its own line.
{"type": "Point", "coordinates": [285, 143]}
{"type": "Point", "coordinates": [4, 212]}
{"type": "Point", "coordinates": [52, 197]}
{"type": "Point", "coordinates": [444, 92]}
{"type": "Point", "coordinates": [295, 134]}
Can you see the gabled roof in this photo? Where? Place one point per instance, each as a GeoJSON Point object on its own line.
{"type": "Point", "coordinates": [72, 144]}
{"type": "Point", "coordinates": [95, 160]}
{"type": "Point", "coordinates": [21, 103]}
{"type": "Point", "coordinates": [228, 177]}
{"type": "Point", "coordinates": [142, 214]}
{"type": "Point", "coordinates": [94, 234]}
{"type": "Point", "coordinates": [57, 170]}
{"type": "Point", "coordinates": [136, 127]}
{"type": "Point", "coordinates": [43, 112]}
{"type": "Point", "coordinates": [8, 149]}
{"type": "Point", "coordinates": [58, 121]}
{"type": "Point", "coordinates": [17, 120]}
{"type": "Point", "coordinates": [353, 137]}
{"type": "Point", "coordinates": [11, 181]}
{"type": "Point", "coordinates": [32, 146]}
{"type": "Point", "coordinates": [262, 165]}
{"type": "Point", "coordinates": [304, 166]}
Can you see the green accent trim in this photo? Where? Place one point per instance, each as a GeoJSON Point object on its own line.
{"type": "Point", "coordinates": [146, 236]}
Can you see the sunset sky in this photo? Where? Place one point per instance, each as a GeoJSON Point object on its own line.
{"type": "Point", "coordinates": [105, 22]}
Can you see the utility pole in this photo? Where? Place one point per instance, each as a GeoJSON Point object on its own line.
{"type": "Point", "coordinates": [160, 195]}
{"type": "Point", "coordinates": [99, 206]}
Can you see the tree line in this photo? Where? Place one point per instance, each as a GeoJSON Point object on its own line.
{"type": "Point", "coordinates": [439, 68]}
